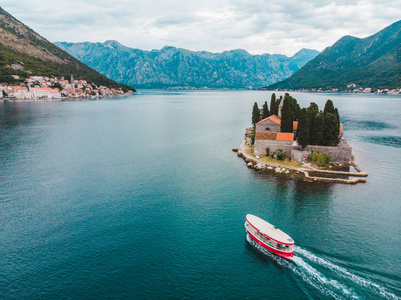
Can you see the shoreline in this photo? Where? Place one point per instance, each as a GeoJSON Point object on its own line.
{"type": "Point", "coordinates": [254, 163]}
{"type": "Point", "coordinates": [64, 98]}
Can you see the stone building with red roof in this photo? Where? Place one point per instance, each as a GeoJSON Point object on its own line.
{"type": "Point", "coordinates": [268, 135]}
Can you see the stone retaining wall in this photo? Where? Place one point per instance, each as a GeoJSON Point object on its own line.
{"type": "Point", "coordinates": [341, 153]}
{"type": "Point", "coordinates": [261, 145]}
{"type": "Point", "coordinates": [298, 155]}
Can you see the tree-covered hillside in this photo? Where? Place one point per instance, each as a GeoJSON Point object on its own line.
{"type": "Point", "coordinates": [22, 46]}
{"type": "Point", "coordinates": [373, 62]}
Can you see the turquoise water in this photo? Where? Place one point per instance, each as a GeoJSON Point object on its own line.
{"type": "Point", "coordinates": [142, 198]}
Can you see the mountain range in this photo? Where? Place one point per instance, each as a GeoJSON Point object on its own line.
{"type": "Point", "coordinates": [176, 67]}
{"type": "Point", "coordinates": [374, 62]}
{"type": "Point", "coordinates": [24, 52]}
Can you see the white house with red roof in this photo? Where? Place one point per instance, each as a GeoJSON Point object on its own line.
{"type": "Point", "coordinates": [45, 92]}
{"type": "Point", "coordinates": [19, 92]}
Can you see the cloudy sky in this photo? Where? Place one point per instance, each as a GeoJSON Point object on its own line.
{"type": "Point", "coordinates": [258, 26]}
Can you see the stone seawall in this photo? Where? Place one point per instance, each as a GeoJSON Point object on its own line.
{"type": "Point", "coordinates": [254, 163]}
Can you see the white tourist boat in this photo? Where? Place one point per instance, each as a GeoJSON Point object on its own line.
{"type": "Point", "coordinates": [269, 237]}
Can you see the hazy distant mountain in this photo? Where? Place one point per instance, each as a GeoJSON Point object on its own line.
{"type": "Point", "coordinates": [21, 46]}
{"type": "Point", "coordinates": [373, 62]}
{"type": "Point", "coordinates": [174, 67]}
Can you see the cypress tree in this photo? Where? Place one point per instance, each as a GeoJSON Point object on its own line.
{"type": "Point", "coordinates": [272, 104]}
{"type": "Point", "coordinates": [255, 114]}
{"type": "Point", "coordinates": [265, 111]}
{"type": "Point", "coordinates": [294, 106]}
{"type": "Point", "coordinates": [330, 130]}
{"type": "Point", "coordinates": [296, 110]}
{"type": "Point", "coordinates": [329, 107]}
{"type": "Point", "coordinates": [286, 117]}
{"type": "Point", "coordinates": [312, 110]}
{"type": "Point", "coordinates": [303, 128]}
{"type": "Point", "coordinates": [278, 101]}
{"type": "Point", "coordinates": [316, 137]}
{"type": "Point", "coordinates": [338, 118]}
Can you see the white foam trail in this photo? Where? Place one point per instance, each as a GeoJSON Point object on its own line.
{"type": "Point", "coordinates": [318, 283]}
{"type": "Point", "coordinates": [323, 280]}
{"type": "Point", "coordinates": [343, 272]}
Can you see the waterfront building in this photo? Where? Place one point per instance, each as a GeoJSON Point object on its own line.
{"type": "Point", "coordinates": [19, 92]}
{"type": "Point", "coordinates": [45, 92]}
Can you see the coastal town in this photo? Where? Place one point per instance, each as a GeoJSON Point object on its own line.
{"type": "Point", "coordinates": [43, 87]}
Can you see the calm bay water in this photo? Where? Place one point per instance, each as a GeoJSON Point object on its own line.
{"type": "Point", "coordinates": [142, 198]}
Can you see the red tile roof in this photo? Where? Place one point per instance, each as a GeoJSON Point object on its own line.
{"type": "Point", "coordinates": [274, 136]}
{"type": "Point", "coordinates": [285, 136]}
{"type": "Point", "coordinates": [265, 135]}
{"type": "Point", "coordinates": [295, 125]}
{"type": "Point", "coordinates": [341, 128]}
{"type": "Point", "coordinates": [18, 88]}
{"type": "Point", "coordinates": [272, 118]}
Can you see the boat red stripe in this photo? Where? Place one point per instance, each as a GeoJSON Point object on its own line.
{"type": "Point", "coordinates": [289, 244]}
{"type": "Point", "coordinates": [275, 251]}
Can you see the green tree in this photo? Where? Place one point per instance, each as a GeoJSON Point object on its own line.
{"type": "Point", "coordinates": [273, 104]}
{"type": "Point", "coordinates": [265, 111]}
{"type": "Point", "coordinates": [57, 85]}
{"type": "Point", "coordinates": [329, 107]}
{"type": "Point", "coordinates": [303, 128]}
{"type": "Point", "coordinates": [286, 116]}
{"type": "Point", "coordinates": [278, 101]}
{"type": "Point", "coordinates": [255, 114]}
{"type": "Point", "coordinates": [296, 110]}
{"type": "Point", "coordinates": [312, 110]}
{"type": "Point", "coordinates": [330, 130]}
{"type": "Point", "coordinates": [338, 118]}
{"type": "Point", "coordinates": [294, 106]}
{"type": "Point", "coordinates": [317, 130]}
{"type": "Point", "coordinates": [337, 114]}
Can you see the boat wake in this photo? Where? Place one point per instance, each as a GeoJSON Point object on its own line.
{"type": "Point", "coordinates": [330, 279]}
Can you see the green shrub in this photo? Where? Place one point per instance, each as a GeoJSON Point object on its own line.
{"type": "Point", "coordinates": [313, 156]}
{"type": "Point", "coordinates": [280, 154]}
{"type": "Point", "coordinates": [267, 151]}
{"type": "Point", "coordinates": [323, 160]}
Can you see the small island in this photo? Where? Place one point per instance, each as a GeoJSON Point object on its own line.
{"type": "Point", "coordinates": [307, 142]}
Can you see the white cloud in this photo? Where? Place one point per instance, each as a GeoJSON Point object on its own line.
{"type": "Point", "coordinates": [258, 26]}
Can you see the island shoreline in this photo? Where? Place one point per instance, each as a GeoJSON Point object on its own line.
{"type": "Point", "coordinates": [254, 163]}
